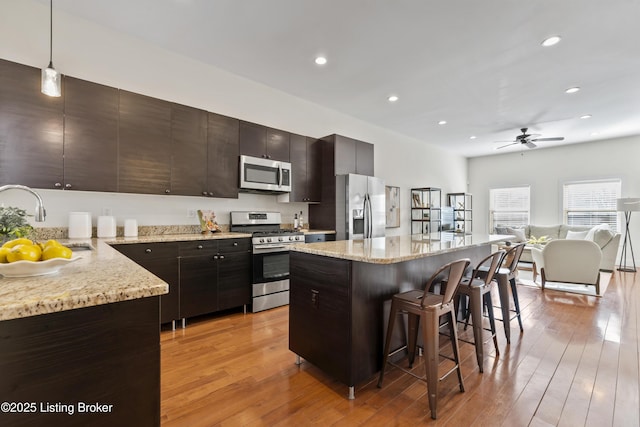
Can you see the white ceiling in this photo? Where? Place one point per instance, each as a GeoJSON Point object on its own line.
{"type": "Point", "coordinates": [478, 65]}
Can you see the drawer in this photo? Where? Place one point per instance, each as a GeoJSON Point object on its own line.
{"type": "Point", "coordinates": [313, 238]}
{"type": "Point", "coordinates": [140, 251]}
{"type": "Point", "coordinates": [234, 245]}
{"type": "Point", "coordinates": [198, 247]}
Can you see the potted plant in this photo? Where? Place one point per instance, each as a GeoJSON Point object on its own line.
{"type": "Point", "coordinates": [13, 224]}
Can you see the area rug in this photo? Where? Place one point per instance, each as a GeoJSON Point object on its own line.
{"type": "Point", "coordinates": [525, 278]}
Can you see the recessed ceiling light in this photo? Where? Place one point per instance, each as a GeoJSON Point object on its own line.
{"type": "Point", "coordinates": [586, 116]}
{"type": "Point", "coordinates": [321, 60]}
{"type": "Point", "coordinates": [572, 89]}
{"type": "Point", "coordinates": [472, 137]}
{"type": "Point", "coordinates": [442, 122]}
{"type": "Point", "coordinates": [550, 41]}
{"type": "Point", "coordinates": [393, 98]}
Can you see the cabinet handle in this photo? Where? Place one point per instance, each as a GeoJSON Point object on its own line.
{"type": "Point", "coordinates": [167, 191]}
{"type": "Point", "coordinates": [199, 246]}
{"type": "Point", "coordinates": [148, 250]}
{"type": "Point", "coordinates": [57, 185]}
{"type": "Point", "coordinates": [210, 194]}
{"type": "Point", "coordinates": [221, 256]}
{"type": "Point", "coordinates": [67, 186]}
{"type": "Point", "coordinates": [215, 257]}
{"type": "Point", "coordinates": [204, 193]}
{"type": "Point", "coordinates": [235, 243]}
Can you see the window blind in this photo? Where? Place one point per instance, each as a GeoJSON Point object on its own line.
{"type": "Point", "coordinates": [509, 206]}
{"type": "Point", "coordinates": [591, 202]}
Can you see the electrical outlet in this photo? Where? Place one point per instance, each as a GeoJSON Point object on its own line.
{"type": "Point", "coordinates": [107, 211]}
{"type": "Point", "coordinates": [191, 213]}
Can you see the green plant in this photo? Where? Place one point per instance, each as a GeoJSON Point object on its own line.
{"type": "Point", "coordinates": [13, 223]}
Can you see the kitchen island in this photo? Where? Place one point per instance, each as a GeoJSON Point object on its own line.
{"type": "Point", "coordinates": [337, 312]}
{"type": "Point", "coordinates": [81, 346]}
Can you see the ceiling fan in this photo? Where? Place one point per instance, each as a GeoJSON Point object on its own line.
{"type": "Point", "coordinates": [528, 139]}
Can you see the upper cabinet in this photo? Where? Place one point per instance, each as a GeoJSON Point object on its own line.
{"type": "Point", "coordinates": [31, 129]}
{"type": "Point", "coordinates": [352, 156]}
{"type": "Point", "coordinates": [189, 151]}
{"type": "Point", "coordinates": [223, 156]}
{"type": "Point", "coordinates": [261, 141]}
{"type": "Point", "coordinates": [90, 136]}
{"type": "Point", "coordinates": [144, 146]}
{"type": "Point", "coordinates": [305, 165]}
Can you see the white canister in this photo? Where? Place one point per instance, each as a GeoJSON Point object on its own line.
{"type": "Point", "coordinates": [79, 225]}
{"type": "Point", "coordinates": [106, 226]}
{"type": "Point", "coordinates": [130, 228]}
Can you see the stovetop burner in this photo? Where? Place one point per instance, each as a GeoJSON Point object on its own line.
{"type": "Point", "coordinates": [279, 232]}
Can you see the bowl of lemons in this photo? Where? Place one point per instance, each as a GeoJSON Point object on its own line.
{"type": "Point", "coordinates": [24, 257]}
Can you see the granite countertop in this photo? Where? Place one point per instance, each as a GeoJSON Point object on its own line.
{"type": "Point", "coordinates": [173, 238]}
{"type": "Point", "coordinates": [389, 250]}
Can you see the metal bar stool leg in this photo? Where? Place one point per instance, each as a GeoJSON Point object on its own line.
{"type": "Point", "coordinates": [412, 339]}
{"type": "Point", "coordinates": [503, 292]}
{"type": "Point", "coordinates": [516, 302]}
{"type": "Point", "coordinates": [453, 336]}
{"type": "Point", "coordinates": [492, 320]}
{"type": "Point", "coordinates": [430, 326]}
{"type": "Point", "coordinates": [393, 313]}
{"type": "Point", "coordinates": [476, 318]}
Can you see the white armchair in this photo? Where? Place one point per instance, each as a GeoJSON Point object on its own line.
{"type": "Point", "coordinates": [568, 261]}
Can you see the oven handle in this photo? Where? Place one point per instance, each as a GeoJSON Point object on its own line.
{"type": "Point", "coordinates": [279, 175]}
{"type": "Point", "coordinates": [274, 248]}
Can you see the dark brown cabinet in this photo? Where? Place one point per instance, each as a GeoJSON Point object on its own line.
{"type": "Point", "coordinates": [189, 150]}
{"type": "Point", "coordinates": [144, 146]}
{"type": "Point", "coordinates": [31, 129]}
{"type": "Point", "coordinates": [339, 155]}
{"type": "Point", "coordinates": [90, 136]}
{"type": "Point", "coordinates": [160, 259]}
{"type": "Point", "coordinates": [261, 141]}
{"type": "Point", "coordinates": [305, 159]}
{"type": "Point", "coordinates": [223, 154]}
{"type": "Point", "coordinates": [214, 275]}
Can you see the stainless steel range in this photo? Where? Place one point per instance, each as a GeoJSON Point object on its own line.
{"type": "Point", "coordinates": [270, 256]}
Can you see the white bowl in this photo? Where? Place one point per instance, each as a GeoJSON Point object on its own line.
{"type": "Point", "coordinates": [34, 268]}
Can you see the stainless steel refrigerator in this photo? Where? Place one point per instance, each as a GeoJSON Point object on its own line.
{"type": "Point", "coordinates": [360, 207]}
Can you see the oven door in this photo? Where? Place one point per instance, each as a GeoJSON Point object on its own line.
{"type": "Point", "coordinates": [270, 265]}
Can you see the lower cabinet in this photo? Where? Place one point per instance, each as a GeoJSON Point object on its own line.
{"type": "Point", "coordinates": [214, 275]}
{"type": "Point", "coordinates": [313, 238]}
{"type": "Point", "coordinates": [204, 276]}
{"type": "Point", "coordinates": [160, 259]}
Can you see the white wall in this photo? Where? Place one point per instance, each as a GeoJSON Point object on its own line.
{"type": "Point", "coordinates": [87, 51]}
{"type": "Point", "coordinates": [546, 170]}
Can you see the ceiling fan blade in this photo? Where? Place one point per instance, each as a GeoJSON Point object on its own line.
{"type": "Point", "coordinates": [530, 144]}
{"type": "Point", "coordinates": [513, 143]}
{"type": "Point", "coordinates": [559, 138]}
{"type": "Point", "coordinates": [506, 141]}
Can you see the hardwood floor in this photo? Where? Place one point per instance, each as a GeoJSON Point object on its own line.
{"type": "Point", "coordinates": [575, 364]}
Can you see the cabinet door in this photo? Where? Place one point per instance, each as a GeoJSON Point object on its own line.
{"type": "Point", "coordinates": [253, 139]}
{"type": "Point", "coordinates": [144, 147]}
{"type": "Point", "coordinates": [314, 173]}
{"type": "Point", "coordinates": [344, 155]}
{"type": "Point", "coordinates": [223, 156]}
{"type": "Point", "coordinates": [277, 147]}
{"type": "Point", "coordinates": [160, 259]}
{"type": "Point", "coordinates": [198, 285]}
{"type": "Point", "coordinates": [189, 150]}
{"type": "Point", "coordinates": [90, 136]}
{"type": "Point", "coordinates": [364, 158]}
{"type": "Point", "coordinates": [31, 126]}
{"type": "Point", "coordinates": [298, 157]}
{"type": "Point", "coordinates": [234, 279]}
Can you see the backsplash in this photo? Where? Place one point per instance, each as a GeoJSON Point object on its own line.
{"type": "Point", "coordinates": [46, 233]}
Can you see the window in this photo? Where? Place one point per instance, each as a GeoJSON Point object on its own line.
{"type": "Point", "coordinates": [508, 207]}
{"type": "Point", "coordinates": [591, 202]}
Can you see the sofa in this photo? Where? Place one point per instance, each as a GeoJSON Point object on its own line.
{"type": "Point", "coordinates": [605, 238]}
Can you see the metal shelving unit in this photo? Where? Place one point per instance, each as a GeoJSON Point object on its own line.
{"type": "Point", "coordinates": [462, 212]}
{"type": "Point", "coordinates": [425, 210]}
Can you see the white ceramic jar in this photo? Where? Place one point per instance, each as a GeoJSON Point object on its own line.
{"type": "Point", "coordinates": [79, 225]}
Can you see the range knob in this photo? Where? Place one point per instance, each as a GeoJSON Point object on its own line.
{"type": "Point", "coordinates": [268, 239]}
{"type": "Point", "coordinates": [261, 240]}
{"type": "Point", "coordinates": [280, 239]}
{"type": "Point", "coordinates": [290, 238]}
{"type": "Point", "coordinates": [297, 237]}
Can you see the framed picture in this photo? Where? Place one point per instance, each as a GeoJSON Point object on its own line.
{"type": "Point", "coordinates": [392, 200]}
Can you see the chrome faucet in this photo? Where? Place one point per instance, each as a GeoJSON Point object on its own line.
{"type": "Point", "coordinates": [40, 211]}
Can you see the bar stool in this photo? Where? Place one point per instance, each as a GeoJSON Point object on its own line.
{"type": "Point", "coordinates": [506, 278]}
{"type": "Point", "coordinates": [477, 288]}
{"type": "Point", "coordinates": [425, 310]}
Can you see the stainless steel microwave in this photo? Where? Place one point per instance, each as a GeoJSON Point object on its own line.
{"type": "Point", "coordinates": [265, 174]}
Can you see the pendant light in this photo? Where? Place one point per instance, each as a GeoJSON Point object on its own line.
{"type": "Point", "coordinates": [51, 78]}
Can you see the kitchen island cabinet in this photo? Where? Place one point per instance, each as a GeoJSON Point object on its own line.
{"type": "Point", "coordinates": [82, 346]}
{"type": "Point", "coordinates": [338, 290]}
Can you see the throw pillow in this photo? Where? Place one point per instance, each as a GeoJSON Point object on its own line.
{"type": "Point", "coordinates": [591, 233]}
{"type": "Point", "coordinates": [576, 235]}
{"type": "Point", "coordinates": [518, 233]}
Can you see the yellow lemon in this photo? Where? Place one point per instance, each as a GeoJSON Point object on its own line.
{"type": "Point", "coordinates": [3, 255]}
{"type": "Point", "coordinates": [16, 242]}
{"type": "Point", "coordinates": [56, 251]}
{"type": "Point", "coordinates": [24, 253]}
{"type": "Point", "coordinates": [52, 242]}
